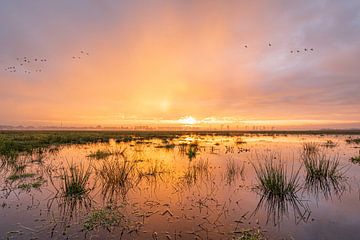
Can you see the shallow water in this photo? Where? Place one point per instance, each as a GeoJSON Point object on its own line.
{"type": "Point", "coordinates": [170, 195]}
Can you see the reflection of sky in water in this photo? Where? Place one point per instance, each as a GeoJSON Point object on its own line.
{"type": "Point", "coordinates": [209, 203]}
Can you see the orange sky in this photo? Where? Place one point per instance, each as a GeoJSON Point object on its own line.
{"type": "Point", "coordinates": [160, 61]}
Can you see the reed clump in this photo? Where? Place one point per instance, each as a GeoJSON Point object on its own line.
{"type": "Point", "coordinates": [321, 167]}
{"type": "Point", "coordinates": [75, 180]}
{"type": "Point", "coordinates": [274, 181]}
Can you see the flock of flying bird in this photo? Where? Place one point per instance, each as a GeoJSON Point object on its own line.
{"type": "Point", "coordinates": [30, 65]}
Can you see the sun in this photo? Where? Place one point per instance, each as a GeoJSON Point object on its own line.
{"type": "Point", "coordinates": [189, 120]}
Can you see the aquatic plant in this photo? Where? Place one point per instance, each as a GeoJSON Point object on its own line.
{"type": "Point", "coordinates": [273, 179]}
{"type": "Point", "coordinates": [195, 171]}
{"type": "Point", "coordinates": [279, 191]}
{"type": "Point", "coordinates": [75, 180]}
{"type": "Point", "coordinates": [319, 166]}
{"type": "Point", "coordinates": [324, 175]}
{"type": "Point", "coordinates": [233, 170]}
{"type": "Point", "coordinates": [100, 154]}
{"type": "Point", "coordinates": [192, 151]}
{"type": "Point", "coordinates": [355, 160]}
{"type": "Point", "coordinates": [117, 176]}
{"type": "Point", "coordinates": [152, 169]}
{"type": "Point", "coordinates": [240, 141]}
{"type": "Point", "coordinates": [106, 218]}
{"type": "Point", "coordinates": [30, 185]}
{"type": "Point", "coordinates": [249, 234]}
{"type": "Point", "coordinates": [311, 147]}
{"type": "Point", "coordinates": [330, 144]}
{"type": "Point", "coordinates": [16, 176]}
{"type": "Point", "coordinates": [353, 140]}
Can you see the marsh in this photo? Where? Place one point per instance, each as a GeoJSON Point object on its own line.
{"type": "Point", "coordinates": [205, 186]}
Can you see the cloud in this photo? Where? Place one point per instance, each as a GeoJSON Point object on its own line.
{"type": "Point", "coordinates": [169, 59]}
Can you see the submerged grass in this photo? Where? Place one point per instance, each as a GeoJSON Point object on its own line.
{"type": "Point", "coordinates": [233, 170]}
{"type": "Point", "coordinates": [249, 234]}
{"type": "Point", "coordinates": [106, 218]}
{"type": "Point", "coordinates": [15, 176]}
{"type": "Point", "coordinates": [75, 180]}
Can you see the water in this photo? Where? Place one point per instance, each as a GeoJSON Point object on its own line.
{"type": "Point", "coordinates": [171, 194]}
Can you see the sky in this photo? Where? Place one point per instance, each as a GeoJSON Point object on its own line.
{"type": "Point", "coordinates": [185, 62]}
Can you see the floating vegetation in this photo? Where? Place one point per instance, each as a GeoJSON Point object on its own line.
{"type": "Point", "coordinates": [105, 218]}
{"type": "Point", "coordinates": [353, 140]}
{"type": "Point", "coordinates": [355, 160]}
{"type": "Point", "coordinates": [15, 176]}
{"type": "Point", "coordinates": [32, 185]}
{"type": "Point", "coordinates": [75, 180]}
{"type": "Point", "coordinates": [100, 154]}
{"type": "Point", "coordinates": [249, 234]}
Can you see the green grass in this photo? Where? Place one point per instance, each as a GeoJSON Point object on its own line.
{"type": "Point", "coordinates": [36, 184]}
{"type": "Point", "coordinates": [274, 181]}
{"type": "Point", "coordinates": [355, 160]}
{"type": "Point", "coordinates": [75, 180]}
{"type": "Point", "coordinates": [15, 176]}
{"type": "Point", "coordinates": [103, 218]}
{"type": "Point", "coordinates": [117, 176]}
{"type": "Point", "coordinates": [249, 234]}
{"type": "Point", "coordinates": [324, 175]}
{"type": "Point", "coordinates": [13, 143]}
{"type": "Point", "coordinates": [279, 189]}
{"type": "Point", "coordinates": [321, 167]}
{"type": "Point", "coordinates": [192, 152]}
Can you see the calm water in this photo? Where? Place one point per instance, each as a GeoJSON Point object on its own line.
{"type": "Point", "coordinates": [170, 194]}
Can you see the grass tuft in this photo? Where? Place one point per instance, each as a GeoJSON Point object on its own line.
{"type": "Point", "coordinates": [321, 167]}
{"type": "Point", "coordinates": [274, 181]}
{"type": "Point", "coordinates": [311, 148]}
{"type": "Point", "coordinates": [75, 180]}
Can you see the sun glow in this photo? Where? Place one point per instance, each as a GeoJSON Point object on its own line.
{"type": "Point", "coordinates": [187, 120]}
